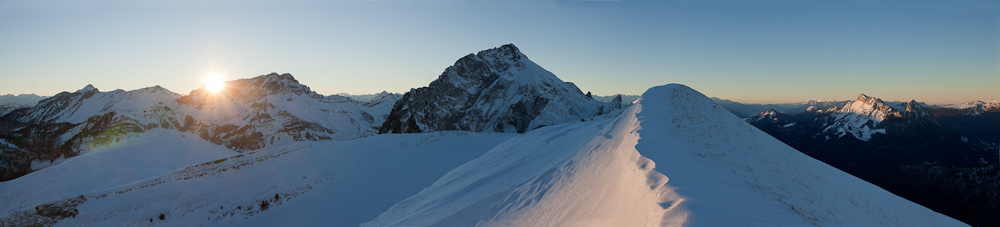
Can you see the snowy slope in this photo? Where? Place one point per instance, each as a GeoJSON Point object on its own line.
{"type": "Point", "coordinates": [711, 169]}
{"type": "Point", "coordinates": [309, 183]}
{"type": "Point", "coordinates": [151, 154]}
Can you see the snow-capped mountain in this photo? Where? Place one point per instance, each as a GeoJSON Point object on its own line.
{"type": "Point", "coordinates": [672, 158]}
{"type": "Point", "coordinates": [864, 118]}
{"type": "Point", "coordinates": [248, 114]}
{"type": "Point", "coordinates": [888, 143]}
{"type": "Point", "coordinates": [770, 115]}
{"type": "Point", "coordinates": [495, 90]}
{"type": "Point", "coordinates": [10, 103]}
{"type": "Point", "coordinates": [771, 118]}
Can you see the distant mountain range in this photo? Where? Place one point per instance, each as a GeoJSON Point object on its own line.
{"type": "Point", "coordinates": [248, 114]}
{"type": "Point", "coordinates": [905, 147]}
{"type": "Point", "coordinates": [10, 103]}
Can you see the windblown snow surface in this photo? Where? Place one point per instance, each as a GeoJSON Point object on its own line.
{"type": "Point", "coordinates": [673, 158]}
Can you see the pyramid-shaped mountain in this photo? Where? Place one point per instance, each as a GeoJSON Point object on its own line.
{"type": "Point", "coordinates": [495, 90]}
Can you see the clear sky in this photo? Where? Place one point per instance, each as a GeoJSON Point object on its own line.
{"type": "Point", "coordinates": [750, 51]}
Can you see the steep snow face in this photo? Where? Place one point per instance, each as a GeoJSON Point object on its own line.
{"type": "Point", "coordinates": [10, 103]}
{"type": "Point", "coordinates": [863, 117]}
{"type": "Point", "coordinates": [977, 107]}
{"type": "Point", "coordinates": [495, 90]}
{"type": "Point", "coordinates": [673, 158]}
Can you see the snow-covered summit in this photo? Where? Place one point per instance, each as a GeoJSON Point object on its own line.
{"type": "Point", "coordinates": [86, 89]}
{"type": "Point", "coordinates": [769, 116]}
{"type": "Point", "coordinates": [497, 90]}
{"type": "Point", "coordinates": [864, 116]}
{"type": "Point", "coordinates": [872, 108]}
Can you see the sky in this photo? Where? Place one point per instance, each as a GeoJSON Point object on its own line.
{"type": "Point", "coordinates": [938, 52]}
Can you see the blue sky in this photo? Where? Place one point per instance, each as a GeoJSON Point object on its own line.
{"type": "Point", "coordinates": [750, 51]}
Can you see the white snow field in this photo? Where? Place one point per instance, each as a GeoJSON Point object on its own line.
{"type": "Point", "coordinates": [151, 154]}
{"type": "Point", "coordinates": [308, 183]}
{"type": "Point", "coordinates": [673, 158]}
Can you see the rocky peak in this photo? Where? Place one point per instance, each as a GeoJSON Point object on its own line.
{"type": "Point", "coordinates": [872, 107]}
{"type": "Point", "coordinates": [498, 90]}
{"type": "Point", "coordinates": [616, 103]}
{"type": "Point", "coordinates": [86, 89]}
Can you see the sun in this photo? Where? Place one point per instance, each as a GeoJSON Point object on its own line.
{"type": "Point", "coordinates": [214, 82]}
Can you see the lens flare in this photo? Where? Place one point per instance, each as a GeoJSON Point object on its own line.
{"type": "Point", "coordinates": [214, 82]}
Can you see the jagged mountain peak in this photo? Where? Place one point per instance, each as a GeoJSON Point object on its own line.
{"type": "Point", "coordinates": [873, 108]}
{"type": "Point", "coordinates": [499, 90]}
{"type": "Point", "coordinates": [864, 117]}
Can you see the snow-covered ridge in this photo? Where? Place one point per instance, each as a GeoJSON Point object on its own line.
{"type": "Point", "coordinates": [673, 158]}
{"type": "Point", "coordinates": [78, 106]}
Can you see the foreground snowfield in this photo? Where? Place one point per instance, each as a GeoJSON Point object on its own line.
{"type": "Point", "coordinates": [672, 158]}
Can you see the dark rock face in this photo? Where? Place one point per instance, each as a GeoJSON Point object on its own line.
{"type": "Point", "coordinates": [979, 120]}
{"type": "Point", "coordinates": [496, 90]}
{"type": "Point", "coordinates": [47, 214]}
{"type": "Point", "coordinates": [966, 193]}
{"type": "Point", "coordinates": [899, 147]}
